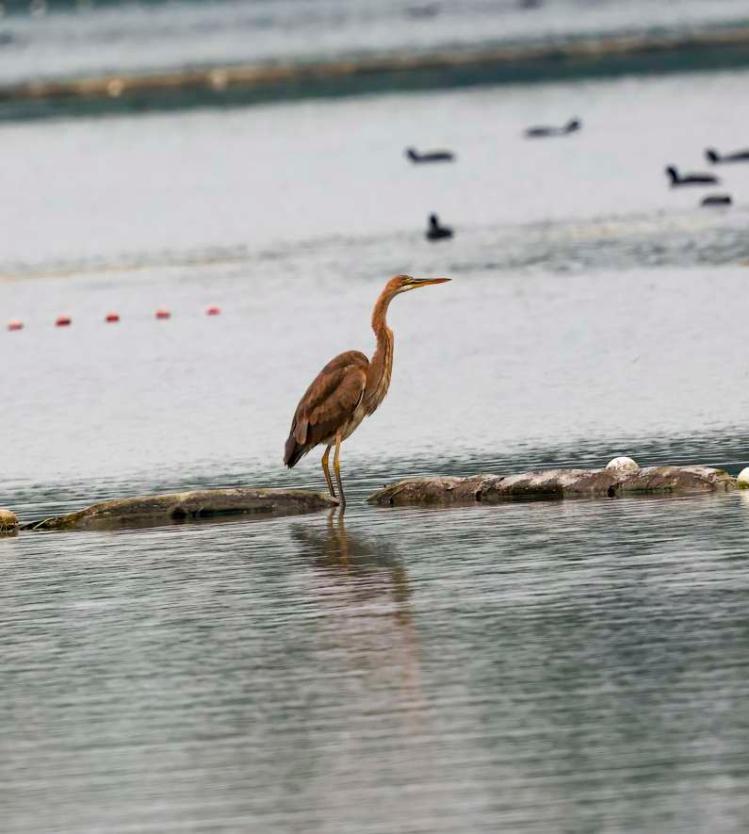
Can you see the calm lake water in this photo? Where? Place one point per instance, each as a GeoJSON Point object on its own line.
{"type": "Point", "coordinates": [548, 667]}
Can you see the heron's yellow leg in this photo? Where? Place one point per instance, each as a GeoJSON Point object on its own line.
{"type": "Point", "coordinates": [337, 469]}
{"type": "Point", "coordinates": [326, 471]}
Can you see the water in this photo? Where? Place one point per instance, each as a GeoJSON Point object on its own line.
{"type": "Point", "coordinates": [547, 667]}
{"type": "Point", "coordinates": [573, 666]}
{"type": "Point", "coordinates": [89, 36]}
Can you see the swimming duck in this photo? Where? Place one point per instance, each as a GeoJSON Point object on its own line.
{"type": "Point", "coordinates": [435, 231]}
{"type": "Point", "coordinates": [429, 156]}
{"type": "Point", "coordinates": [737, 156]}
{"type": "Point", "coordinates": [690, 179]}
{"type": "Point", "coordinates": [717, 200]}
{"type": "Point", "coordinates": [538, 132]}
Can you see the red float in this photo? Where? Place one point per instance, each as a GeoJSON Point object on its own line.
{"type": "Point", "coordinates": [15, 325]}
{"type": "Point", "coordinates": [213, 311]}
{"type": "Point", "coordinates": [163, 314]}
{"type": "Point", "coordinates": [63, 321]}
{"type": "Point", "coordinates": [112, 317]}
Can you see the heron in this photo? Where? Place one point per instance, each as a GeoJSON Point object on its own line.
{"type": "Point", "coordinates": [348, 389]}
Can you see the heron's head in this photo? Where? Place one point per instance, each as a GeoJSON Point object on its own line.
{"type": "Point", "coordinates": [404, 283]}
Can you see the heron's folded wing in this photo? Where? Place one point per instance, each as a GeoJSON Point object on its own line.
{"type": "Point", "coordinates": [331, 399]}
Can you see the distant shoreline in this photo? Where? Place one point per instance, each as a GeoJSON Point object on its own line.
{"type": "Point", "coordinates": [234, 84]}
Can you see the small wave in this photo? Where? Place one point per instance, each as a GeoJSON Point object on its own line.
{"type": "Point", "coordinates": [690, 238]}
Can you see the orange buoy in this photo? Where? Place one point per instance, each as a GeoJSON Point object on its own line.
{"type": "Point", "coordinates": [163, 314]}
{"type": "Point", "coordinates": [213, 311]}
{"type": "Point", "coordinates": [63, 321]}
{"type": "Point", "coordinates": [112, 317]}
{"type": "Point", "coordinates": [15, 324]}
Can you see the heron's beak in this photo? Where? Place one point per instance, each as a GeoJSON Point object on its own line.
{"type": "Point", "coordinates": [426, 282]}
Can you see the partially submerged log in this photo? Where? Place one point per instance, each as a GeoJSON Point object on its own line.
{"type": "Point", "coordinates": [554, 484]}
{"type": "Point", "coordinates": [176, 507]}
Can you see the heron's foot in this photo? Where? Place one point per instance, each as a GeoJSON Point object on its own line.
{"type": "Point", "coordinates": [340, 503]}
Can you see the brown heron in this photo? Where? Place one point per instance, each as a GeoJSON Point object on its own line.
{"type": "Point", "coordinates": [348, 389]}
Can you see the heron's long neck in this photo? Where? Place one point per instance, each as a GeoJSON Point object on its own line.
{"type": "Point", "coordinates": [381, 364]}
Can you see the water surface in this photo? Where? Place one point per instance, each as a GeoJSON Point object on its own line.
{"type": "Point", "coordinates": [90, 37]}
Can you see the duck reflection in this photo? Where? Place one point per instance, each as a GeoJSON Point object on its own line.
{"type": "Point", "coordinates": [365, 588]}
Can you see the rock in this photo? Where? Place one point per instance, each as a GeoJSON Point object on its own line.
{"type": "Point", "coordinates": [743, 479]}
{"type": "Point", "coordinates": [622, 465]}
{"type": "Point", "coordinates": [148, 510]}
{"type": "Point", "coordinates": [8, 522]}
{"type": "Point", "coordinates": [554, 484]}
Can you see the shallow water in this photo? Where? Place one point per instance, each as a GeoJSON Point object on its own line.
{"type": "Point", "coordinates": [545, 667]}
{"type": "Point", "coordinates": [576, 666]}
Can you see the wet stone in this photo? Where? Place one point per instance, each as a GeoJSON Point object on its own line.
{"type": "Point", "coordinates": [178, 507]}
{"type": "Point", "coordinates": [555, 484]}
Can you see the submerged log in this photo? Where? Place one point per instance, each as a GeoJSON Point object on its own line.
{"type": "Point", "coordinates": [147, 510]}
{"type": "Point", "coordinates": [554, 484]}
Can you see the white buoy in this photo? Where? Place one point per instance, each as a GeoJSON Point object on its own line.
{"type": "Point", "coordinates": [743, 479]}
{"type": "Point", "coordinates": [622, 465]}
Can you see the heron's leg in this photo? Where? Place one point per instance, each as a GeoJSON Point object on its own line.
{"type": "Point", "coordinates": [337, 469]}
{"type": "Point", "coordinates": [326, 471]}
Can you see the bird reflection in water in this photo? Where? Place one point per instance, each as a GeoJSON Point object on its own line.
{"type": "Point", "coordinates": [364, 584]}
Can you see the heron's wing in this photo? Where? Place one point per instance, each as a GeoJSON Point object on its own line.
{"type": "Point", "coordinates": [328, 404]}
